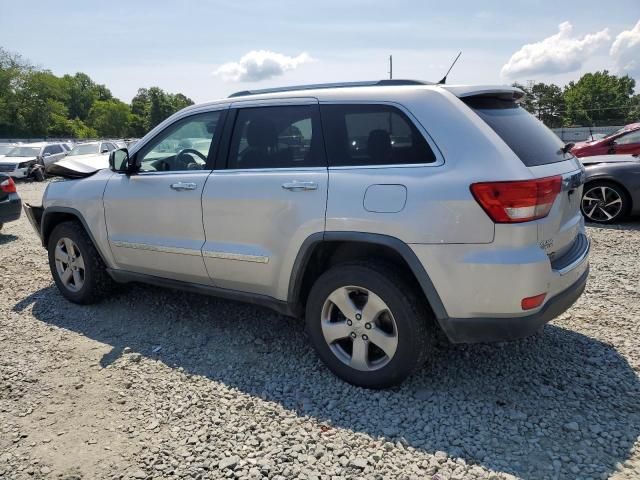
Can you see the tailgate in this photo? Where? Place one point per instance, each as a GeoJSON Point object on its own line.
{"type": "Point", "coordinates": [557, 232]}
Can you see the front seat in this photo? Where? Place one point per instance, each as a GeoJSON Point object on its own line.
{"type": "Point", "coordinates": [379, 147]}
{"type": "Point", "coordinates": [262, 137]}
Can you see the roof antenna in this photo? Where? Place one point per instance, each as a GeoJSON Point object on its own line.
{"type": "Point", "coordinates": [444, 79]}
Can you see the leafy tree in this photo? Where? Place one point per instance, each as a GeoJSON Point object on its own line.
{"type": "Point", "coordinates": [109, 118]}
{"type": "Point", "coordinates": [599, 99]}
{"type": "Point", "coordinates": [82, 92]}
{"type": "Point", "coordinates": [545, 101]}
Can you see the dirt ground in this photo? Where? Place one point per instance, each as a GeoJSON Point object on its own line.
{"type": "Point", "coordinates": [154, 383]}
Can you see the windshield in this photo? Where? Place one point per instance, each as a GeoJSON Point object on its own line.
{"type": "Point", "coordinates": [523, 133]}
{"type": "Point", "coordinates": [86, 149]}
{"type": "Point", "coordinates": [620, 130]}
{"type": "Point", "coordinates": [24, 152]}
{"type": "Point", "coordinates": [5, 148]}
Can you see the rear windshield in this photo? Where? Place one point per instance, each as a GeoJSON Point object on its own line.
{"type": "Point", "coordinates": [527, 136]}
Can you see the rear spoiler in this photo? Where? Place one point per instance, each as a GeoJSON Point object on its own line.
{"type": "Point", "coordinates": [501, 92]}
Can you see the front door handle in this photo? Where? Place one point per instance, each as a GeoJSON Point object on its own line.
{"type": "Point", "coordinates": [298, 186]}
{"type": "Point", "coordinates": [183, 186]}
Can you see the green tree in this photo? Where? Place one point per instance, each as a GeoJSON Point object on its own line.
{"type": "Point", "coordinates": [82, 92]}
{"type": "Point", "coordinates": [109, 118]}
{"type": "Point", "coordinates": [599, 99]}
{"type": "Point", "coordinates": [36, 103]}
{"type": "Point", "coordinates": [545, 101]}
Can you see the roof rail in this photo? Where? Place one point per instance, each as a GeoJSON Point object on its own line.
{"type": "Point", "coordinates": [372, 83]}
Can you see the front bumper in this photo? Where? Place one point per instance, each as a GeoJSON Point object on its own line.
{"type": "Point", "coordinates": [475, 330]}
{"type": "Point", "coordinates": [10, 208]}
{"type": "Point", "coordinates": [34, 214]}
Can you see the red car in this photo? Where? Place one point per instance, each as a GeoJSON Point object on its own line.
{"type": "Point", "coordinates": [623, 141]}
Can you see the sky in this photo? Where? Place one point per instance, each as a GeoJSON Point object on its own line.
{"type": "Point", "coordinates": [210, 49]}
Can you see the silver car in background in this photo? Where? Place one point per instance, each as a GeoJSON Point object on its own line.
{"type": "Point", "coordinates": [19, 161]}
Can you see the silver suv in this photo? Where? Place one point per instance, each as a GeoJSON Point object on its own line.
{"type": "Point", "coordinates": [379, 211]}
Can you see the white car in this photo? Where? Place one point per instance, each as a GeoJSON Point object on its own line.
{"type": "Point", "coordinates": [5, 148]}
{"type": "Point", "coordinates": [89, 156]}
{"type": "Point", "coordinates": [20, 159]}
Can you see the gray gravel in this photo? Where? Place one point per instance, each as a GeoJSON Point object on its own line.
{"type": "Point", "coordinates": [160, 384]}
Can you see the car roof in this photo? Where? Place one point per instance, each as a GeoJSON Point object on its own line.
{"type": "Point", "coordinates": [375, 90]}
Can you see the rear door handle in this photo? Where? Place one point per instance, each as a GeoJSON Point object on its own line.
{"type": "Point", "coordinates": [296, 186]}
{"type": "Point", "coordinates": [184, 186]}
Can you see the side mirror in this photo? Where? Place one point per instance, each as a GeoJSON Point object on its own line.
{"type": "Point", "coordinates": [119, 161]}
{"type": "Point", "coordinates": [47, 154]}
{"type": "Point", "coordinates": [104, 150]}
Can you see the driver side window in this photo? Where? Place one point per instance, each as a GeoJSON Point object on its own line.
{"type": "Point", "coordinates": [629, 138]}
{"type": "Point", "coordinates": [185, 145]}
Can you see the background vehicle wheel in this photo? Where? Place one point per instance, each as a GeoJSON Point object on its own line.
{"type": "Point", "coordinates": [76, 265]}
{"type": "Point", "coordinates": [604, 202]}
{"type": "Point", "coordinates": [38, 175]}
{"type": "Point", "coordinates": [368, 325]}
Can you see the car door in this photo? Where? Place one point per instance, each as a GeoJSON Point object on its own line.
{"type": "Point", "coordinates": [154, 217]}
{"type": "Point", "coordinates": [52, 153]}
{"type": "Point", "coordinates": [628, 143]}
{"type": "Point", "coordinates": [267, 198]}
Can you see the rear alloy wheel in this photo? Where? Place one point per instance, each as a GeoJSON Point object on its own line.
{"type": "Point", "coordinates": [604, 202]}
{"type": "Point", "coordinates": [359, 328]}
{"type": "Point", "coordinates": [368, 324]}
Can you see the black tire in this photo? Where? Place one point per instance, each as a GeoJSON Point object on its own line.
{"type": "Point", "coordinates": [620, 191]}
{"type": "Point", "coordinates": [97, 282]}
{"type": "Point", "coordinates": [38, 175]}
{"type": "Point", "coordinates": [414, 323]}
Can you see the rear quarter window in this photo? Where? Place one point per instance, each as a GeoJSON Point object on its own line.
{"type": "Point", "coordinates": [524, 134]}
{"type": "Point", "coordinates": [373, 134]}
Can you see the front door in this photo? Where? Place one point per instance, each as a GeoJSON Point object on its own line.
{"type": "Point", "coordinates": [267, 199]}
{"type": "Point", "coordinates": [627, 144]}
{"type": "Point", "coordinates": [154, 217]}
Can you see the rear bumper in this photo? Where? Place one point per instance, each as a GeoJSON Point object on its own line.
{"type": "Point", "coordinates": [10, 208]}
{"type": "Point", "coordinates": [474, 330]}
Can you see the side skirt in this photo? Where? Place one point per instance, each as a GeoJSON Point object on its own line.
{"type": "Point", "coordinates": [280, 306]}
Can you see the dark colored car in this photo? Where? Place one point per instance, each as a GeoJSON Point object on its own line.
{"type": "Point", "coordinates": [625, 141]}
{"type": "Point", "coordinates": [10, 203]}
{"type": "Point", "coordinates": [612, 187]}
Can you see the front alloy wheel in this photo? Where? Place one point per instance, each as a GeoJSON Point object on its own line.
{"type": "Point", "coordinates": [69, 264]}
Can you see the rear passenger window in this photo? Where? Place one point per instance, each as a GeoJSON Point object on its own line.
{"type": "Point", "coordinates": [276, 137]}
{"type": "Point", "coordinates": [357, 135]}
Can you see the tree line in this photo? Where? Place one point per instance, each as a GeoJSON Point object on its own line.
{"type": "Point", "coordinates": [36, 103]}
{"type": "Point", "coordinates": [596, 99]}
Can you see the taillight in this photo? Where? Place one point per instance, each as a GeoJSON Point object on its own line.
{"type": "Point", "coordinates": [8, 186]}
{"type": "Point", "coordinates": [519, 201]}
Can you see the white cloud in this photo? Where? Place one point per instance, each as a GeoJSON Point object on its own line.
{"type": "Point", "coordinates": [559, 53]}
{"type": "Point", "coordinates": [259, 65]}
{"type": "Point", "coordinates": [626, 51]}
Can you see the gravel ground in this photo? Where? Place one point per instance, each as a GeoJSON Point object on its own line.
{"type": "Point", "coordinates": [160, 384]}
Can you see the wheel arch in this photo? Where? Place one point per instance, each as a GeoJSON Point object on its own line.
{"type": "Point", "coordinates": [322, 250]}
{"type": "Point", "coordinates": [53, 216]}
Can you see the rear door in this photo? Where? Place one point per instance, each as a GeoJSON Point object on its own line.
{"type": "Point", "coordinates": [154, 217]}
{"type": "Point", "coordinates": [542, 152]}
{"type": "Point", "coordinates": [267, 198]}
